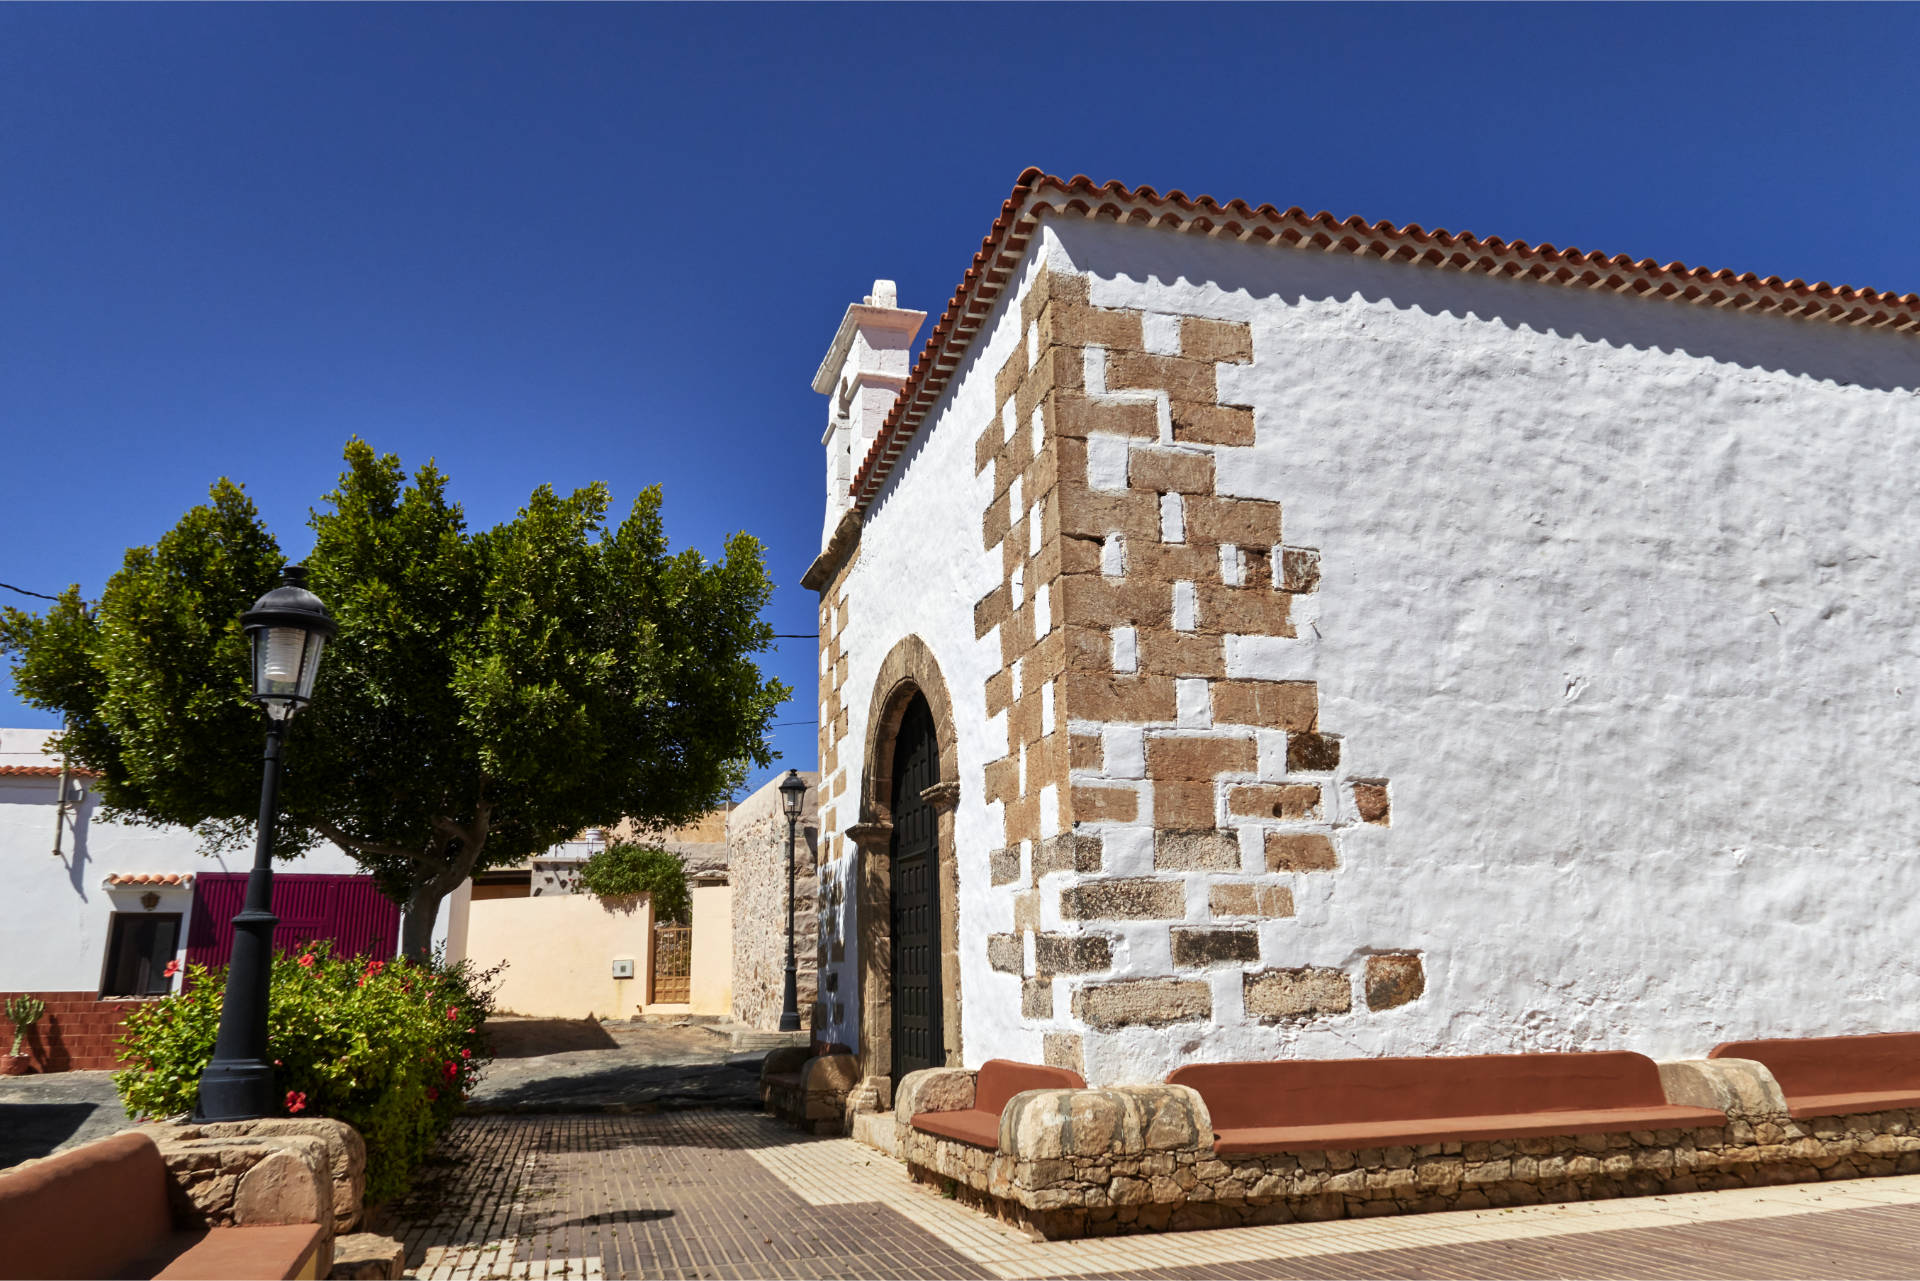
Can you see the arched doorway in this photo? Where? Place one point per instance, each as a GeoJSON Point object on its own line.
{"type": "Point", "coordinates": [914, 912]}
{"type": "Point", "coordinates": [910, 786]}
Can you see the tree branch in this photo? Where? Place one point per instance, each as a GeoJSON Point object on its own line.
{"type": "Point", "coordinates": [341, 839]}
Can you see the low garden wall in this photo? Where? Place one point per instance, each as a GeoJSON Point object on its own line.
{"type": "Point", "coordinates": [1098, 1162]}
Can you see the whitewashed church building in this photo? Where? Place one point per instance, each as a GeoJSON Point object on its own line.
{"type": "Point", "coordinates": [1246, 634]}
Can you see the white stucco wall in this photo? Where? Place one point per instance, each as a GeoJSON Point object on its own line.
{"type": "Point", "coordinates": [919, 570]}
{"type": "Point", "coordinates": [1619, 595]}
{"type": "Point", "coordinates": [53, 933]}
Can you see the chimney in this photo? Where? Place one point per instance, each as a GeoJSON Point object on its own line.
{"type": "Point", "coordinates": [863, 371]}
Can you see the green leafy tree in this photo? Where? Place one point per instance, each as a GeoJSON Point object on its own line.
{"type": "Point", "coordinates": [625, 869]}
{"type": "Point", "coordinates": [489, 694]}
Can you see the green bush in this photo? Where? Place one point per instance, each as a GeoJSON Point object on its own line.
{"type": "Point", "coordinates": [391, 1047]}
{"type": "Point", "coordinates": [624, 869]}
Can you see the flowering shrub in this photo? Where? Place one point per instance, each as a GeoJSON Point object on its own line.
{"type": "Point", "coordinates": [392, 1048]}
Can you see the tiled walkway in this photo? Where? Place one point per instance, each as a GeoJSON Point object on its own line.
{"type": "Point", "coordinates": [731, 1194]}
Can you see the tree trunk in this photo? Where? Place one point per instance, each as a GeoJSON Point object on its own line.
{"type": "Point", "coordinates": [416, 923]}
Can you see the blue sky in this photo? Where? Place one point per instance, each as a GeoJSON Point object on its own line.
{"type": "Point", "coordinates": [564, 244]}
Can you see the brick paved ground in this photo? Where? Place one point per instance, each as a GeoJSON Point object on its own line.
{"type": "Point", "coordinates": [730, 1194]}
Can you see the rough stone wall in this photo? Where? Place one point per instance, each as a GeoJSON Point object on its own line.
{"type": "Point", "coordinates": [1157, 812]}
{"type": "Point", "coordinates": [757, 859]}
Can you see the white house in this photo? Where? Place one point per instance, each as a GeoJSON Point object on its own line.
{"type": "Point", "coordinates": [1247, 634]}
{"type": "Point", "coordinates": [96, 910]}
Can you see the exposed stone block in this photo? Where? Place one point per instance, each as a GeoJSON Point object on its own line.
{"type": "Point", "coordinates": [1211, 850]}
{"type": "Point", "coordinates": [938, 1089]}
{"type": "Point", "coordinates": [1099, 514]}
{"type": "Point", "coordinates": [1164, 652]}
{"type": "Point", "coordinates": [1003, 866]}
{"type": "Point", "coordinates": [1143, 1003]}
{"type": "Point", "coordinates": [1006, 953]}
{"type": "Point", "coordinates": [1196, 422]}
{"type": "Point", "coordinates": [1288, 705]}
{"type": "Point", "coordinates": [1180, 377]}
{"type": "Point", "coordinates": [1300, 851]}
{"type": "Point", "coordinates": [1070, 415]}
{"type": "Point", "coordinates": [1370, 800]}
{"type": "Point", "coordinates": [1063, 1049]}
{"type": "Point", "coordinates": [1072, 953]}
{"type": "Point", "coordinates": [1228, 341]}
{"type": "Point", "coordinates": [367, 1256]}
{"type": "Point", "coordinates": [1198, 945]}
{"type": "Point", "coordinates": [1002, 779]}
{"type": "Point", "coordinates": [1198, 758]}
{"type": "Point", "coordinates": [1183, 807]}
{"type": "Point", "coordinates": [1104, 804]}
{"type": "Point", "coordinates": [285, 1186]}
{"type": "Point", "coordinates": [1036, 998]}
{"type": "Point", "coordinates": [1099, 696]}
{"type": "Point", "coordinates": [1312, 752]}
{"type": "Point", "coordinates": [1075, 324]}
{"type": "Point", "coordinates": [1058, 369]}
{"type": "Point", "coordinates": [1275, 800]}
{"type": "Point", "coordinates": [1306, 992]}
{"type": "Point", "coordinates": [1084, 751]}
{"type": "Point", "coordinates": [1244, 522]}
{"type": "Point", "coordinates": [1067, 852]}
{"type": "Point", "coordinates": [991, 610]}
{"type": "Point", "coordinates": [1742, 1088]}
{"type": "Point", "coordinates": [1252, 610]}
{"type": "Point", "coordinates": [1299, 569]}
{"type": "Point", "coordinates": [1163, 471]}
{"type": "Point", "coordinates": [1394, 978]}
{"type": "Point", "coordinates": [1241, 898]}
{"type": "Point", "coordinates": [1069, 287]}
{"type": "Point", "coordinates": [1095, 600]}
{"type": "Point", "coordinates": [1124, 898]}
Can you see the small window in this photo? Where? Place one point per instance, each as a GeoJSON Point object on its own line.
{"type": "Point", "coordinates": [139, 945]}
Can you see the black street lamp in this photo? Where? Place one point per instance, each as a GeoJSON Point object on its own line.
{"type": "Point", "coordinates": [793, 795]}
{"type": "Point", "coordinates": [287, 629]}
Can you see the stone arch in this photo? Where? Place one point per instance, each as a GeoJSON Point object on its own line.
{"type": "Point", "coordinates": [909, 669]}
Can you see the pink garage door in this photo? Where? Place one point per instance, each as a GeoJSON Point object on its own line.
{"type": "Point", "coordinates": [346, 909]}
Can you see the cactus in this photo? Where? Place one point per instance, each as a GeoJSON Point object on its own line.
{"type": "Point", "coordinates": [24, 1011]}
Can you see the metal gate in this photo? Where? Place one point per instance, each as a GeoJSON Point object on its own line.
{"type": "Point", "coordinates": [672, 964]}
{"type": "Point", "coordinates": [346, 909]}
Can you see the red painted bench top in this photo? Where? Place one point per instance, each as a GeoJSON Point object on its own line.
{"type": "Point", "coordinates": [1838, 1075]}
{"type": "Point", "coordinates": [101, 1211]}
{"type": "Point", "coordinates": [997, 1081]}
{"type": "Point", "coordinates": [1316, 1104]}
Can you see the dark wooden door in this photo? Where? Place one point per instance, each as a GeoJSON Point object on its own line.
{"type": "Point", "coordinates": [346, 909]}
{"type": "Point", "coordinates": [917, 1038]}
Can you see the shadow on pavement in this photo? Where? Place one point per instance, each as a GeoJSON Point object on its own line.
{"type": "Point", "coordinates": [532, 1038]}
{"type": "Point", "coordinates": [30, 1130]}
{"type": "Point", "coordinates": [628, 1088]}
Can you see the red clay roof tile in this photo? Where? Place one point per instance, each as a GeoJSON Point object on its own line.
{"type": "Point", "coordinates": [1037, 193]}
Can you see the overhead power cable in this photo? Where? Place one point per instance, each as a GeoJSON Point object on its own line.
{"type": "Point", "coordinates": [24, 592]}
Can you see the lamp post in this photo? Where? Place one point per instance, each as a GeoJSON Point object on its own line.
{"type": "Point", "coordinates": [287, 629]}
{"type": "Point", "coordinates": [793, 795]}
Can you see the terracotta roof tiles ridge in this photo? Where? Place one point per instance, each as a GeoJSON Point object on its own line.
{"type": "Point", "coordinates": [1036, 193]}
{"type": "Point", "coordinates": [42, 771]}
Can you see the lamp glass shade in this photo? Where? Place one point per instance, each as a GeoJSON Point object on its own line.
{"type": "Point", "coordinates": [793, 793]}
{"type": "Point", "coordinates": [285, 662]}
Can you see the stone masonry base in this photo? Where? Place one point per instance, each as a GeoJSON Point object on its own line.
{"type": "Point", "coordinates": [1077, 1163]}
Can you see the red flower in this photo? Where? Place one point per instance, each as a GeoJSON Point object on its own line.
{"type": "Point", "coordinates": [307, 960]}
{"type": "Point", "coordinates": [453, 1012]}
{"type": "Point", "coordinates": [173, 968]}
{"type": "Point", "coordinates": [466, 1054]}
{"type": "Point", "coordinates": [296, 1101]}
{"type": "Point", "coordinates": [451, 1069]}
{"type": "Point", "coordinates": [374, 967]}
{"type": "Point", "coordinates": [433, 1092]}
{"type": "Point", "coordinates": [469, 1031]}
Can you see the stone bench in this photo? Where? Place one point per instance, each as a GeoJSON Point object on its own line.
{"type": "Point", "coordinates": [1095, 1162]}
{"type": "Point", "coordinates": [109, 1209]}
{"type": "Point", "coordinates": [993, 1086]}
{"type": "Point", "coordinates": [1315, 1105]}
{"type": "Point", "coordinates": [809, 1085]}
{"type": "Point", "coordinates": [1838, 1075]}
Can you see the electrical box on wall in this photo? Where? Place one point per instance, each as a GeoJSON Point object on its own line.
{"type": "Point", "coordinates": [623, 967]}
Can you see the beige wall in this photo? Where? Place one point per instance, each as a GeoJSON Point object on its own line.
{"type": "Point", "coordinates": [712, 950]}
{"type": "Point", "coordinates": [560, 950]}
